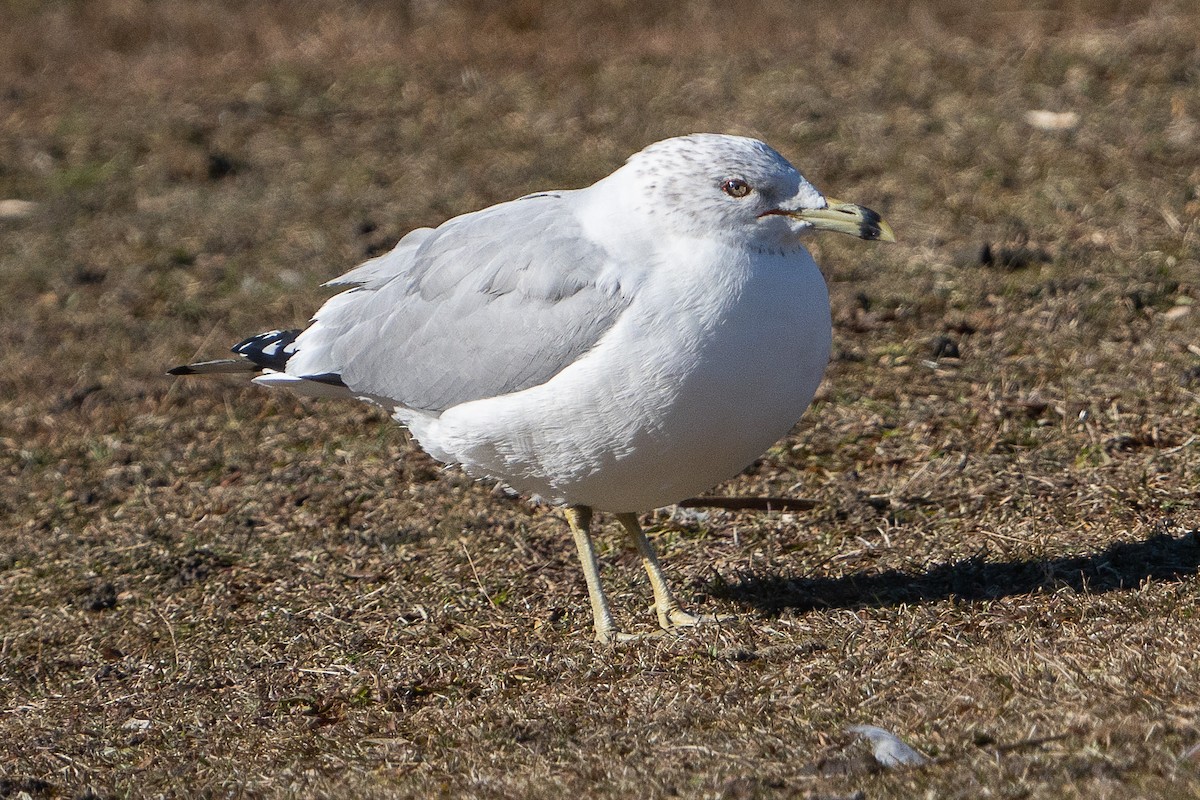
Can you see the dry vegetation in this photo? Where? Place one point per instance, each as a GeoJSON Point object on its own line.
{"type": "Point", "coordinates": [208, 590]}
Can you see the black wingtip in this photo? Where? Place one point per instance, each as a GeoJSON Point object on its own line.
{"type": "Point", "coordinates": [270, 350]}
{"type": "Point", "coordinates": [182, 369]}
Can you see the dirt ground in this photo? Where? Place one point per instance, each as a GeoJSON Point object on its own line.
{"type": "Point", "coordinates": [211, 590]}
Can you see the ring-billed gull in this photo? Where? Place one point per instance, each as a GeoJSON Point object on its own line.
{"type": "Point", "coordinates": [619, 347]}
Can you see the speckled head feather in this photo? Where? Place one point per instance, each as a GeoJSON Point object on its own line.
{"type": "Point", "coordinates": [683, 177]}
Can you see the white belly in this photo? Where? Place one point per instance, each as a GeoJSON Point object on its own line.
{"type": "Point", "coordinates": [688, 389]}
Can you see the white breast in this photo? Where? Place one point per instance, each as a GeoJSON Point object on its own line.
{"type": "Point", "coordinates": [709, 366]}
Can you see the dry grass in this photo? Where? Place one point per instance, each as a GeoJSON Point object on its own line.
{"type": "Point", "coordinates": [209, 590]}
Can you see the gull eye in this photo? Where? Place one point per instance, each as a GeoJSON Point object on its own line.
{"type": "Point", "coordinates": [735, 187]}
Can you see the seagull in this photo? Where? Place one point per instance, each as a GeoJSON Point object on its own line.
{"type": "Point", "coordinates": [619, 347]}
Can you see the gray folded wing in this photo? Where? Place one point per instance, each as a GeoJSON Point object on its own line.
{"type": "Point", "coordinates": [489, 303]}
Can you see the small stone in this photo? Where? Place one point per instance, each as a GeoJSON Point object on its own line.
{"type": "Point", "coordinates": [887, 748]}
{"type": "Point", "coordinates": [1052, 120]}
{"type": "Point", "coordinates": [1177, 312]}
{"type": "Point", "coordinates": [17, 209]}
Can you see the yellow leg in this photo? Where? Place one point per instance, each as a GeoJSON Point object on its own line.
{"type": "Point", "coordinates": [580, 520]}
{"type": "Point", "coordinates": [670, 615]}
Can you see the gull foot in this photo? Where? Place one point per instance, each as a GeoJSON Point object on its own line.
{"type": "Point", "coordinates": [619, 637]}
{"type": "Point", "coordinates": [678, 618]}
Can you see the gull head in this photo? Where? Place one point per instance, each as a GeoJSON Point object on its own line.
{"type": "Point", "coordinates": [732, 186]}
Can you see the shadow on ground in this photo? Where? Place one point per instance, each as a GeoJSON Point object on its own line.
{"type": "Point", "coordinates": [1123, 565]}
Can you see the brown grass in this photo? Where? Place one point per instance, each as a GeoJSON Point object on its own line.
{"type": "Point", "coordinates": [208, 590]}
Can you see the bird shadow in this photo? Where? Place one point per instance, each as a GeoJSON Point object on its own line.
{"type": "Point", "coordinates": [1124, 565]}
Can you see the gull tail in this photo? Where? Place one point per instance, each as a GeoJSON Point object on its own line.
{"type": "Point", "coordinates": [268, 354]}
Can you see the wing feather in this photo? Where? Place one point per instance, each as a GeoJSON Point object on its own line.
{"type": "Point", "coordinates": [489, 303]}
